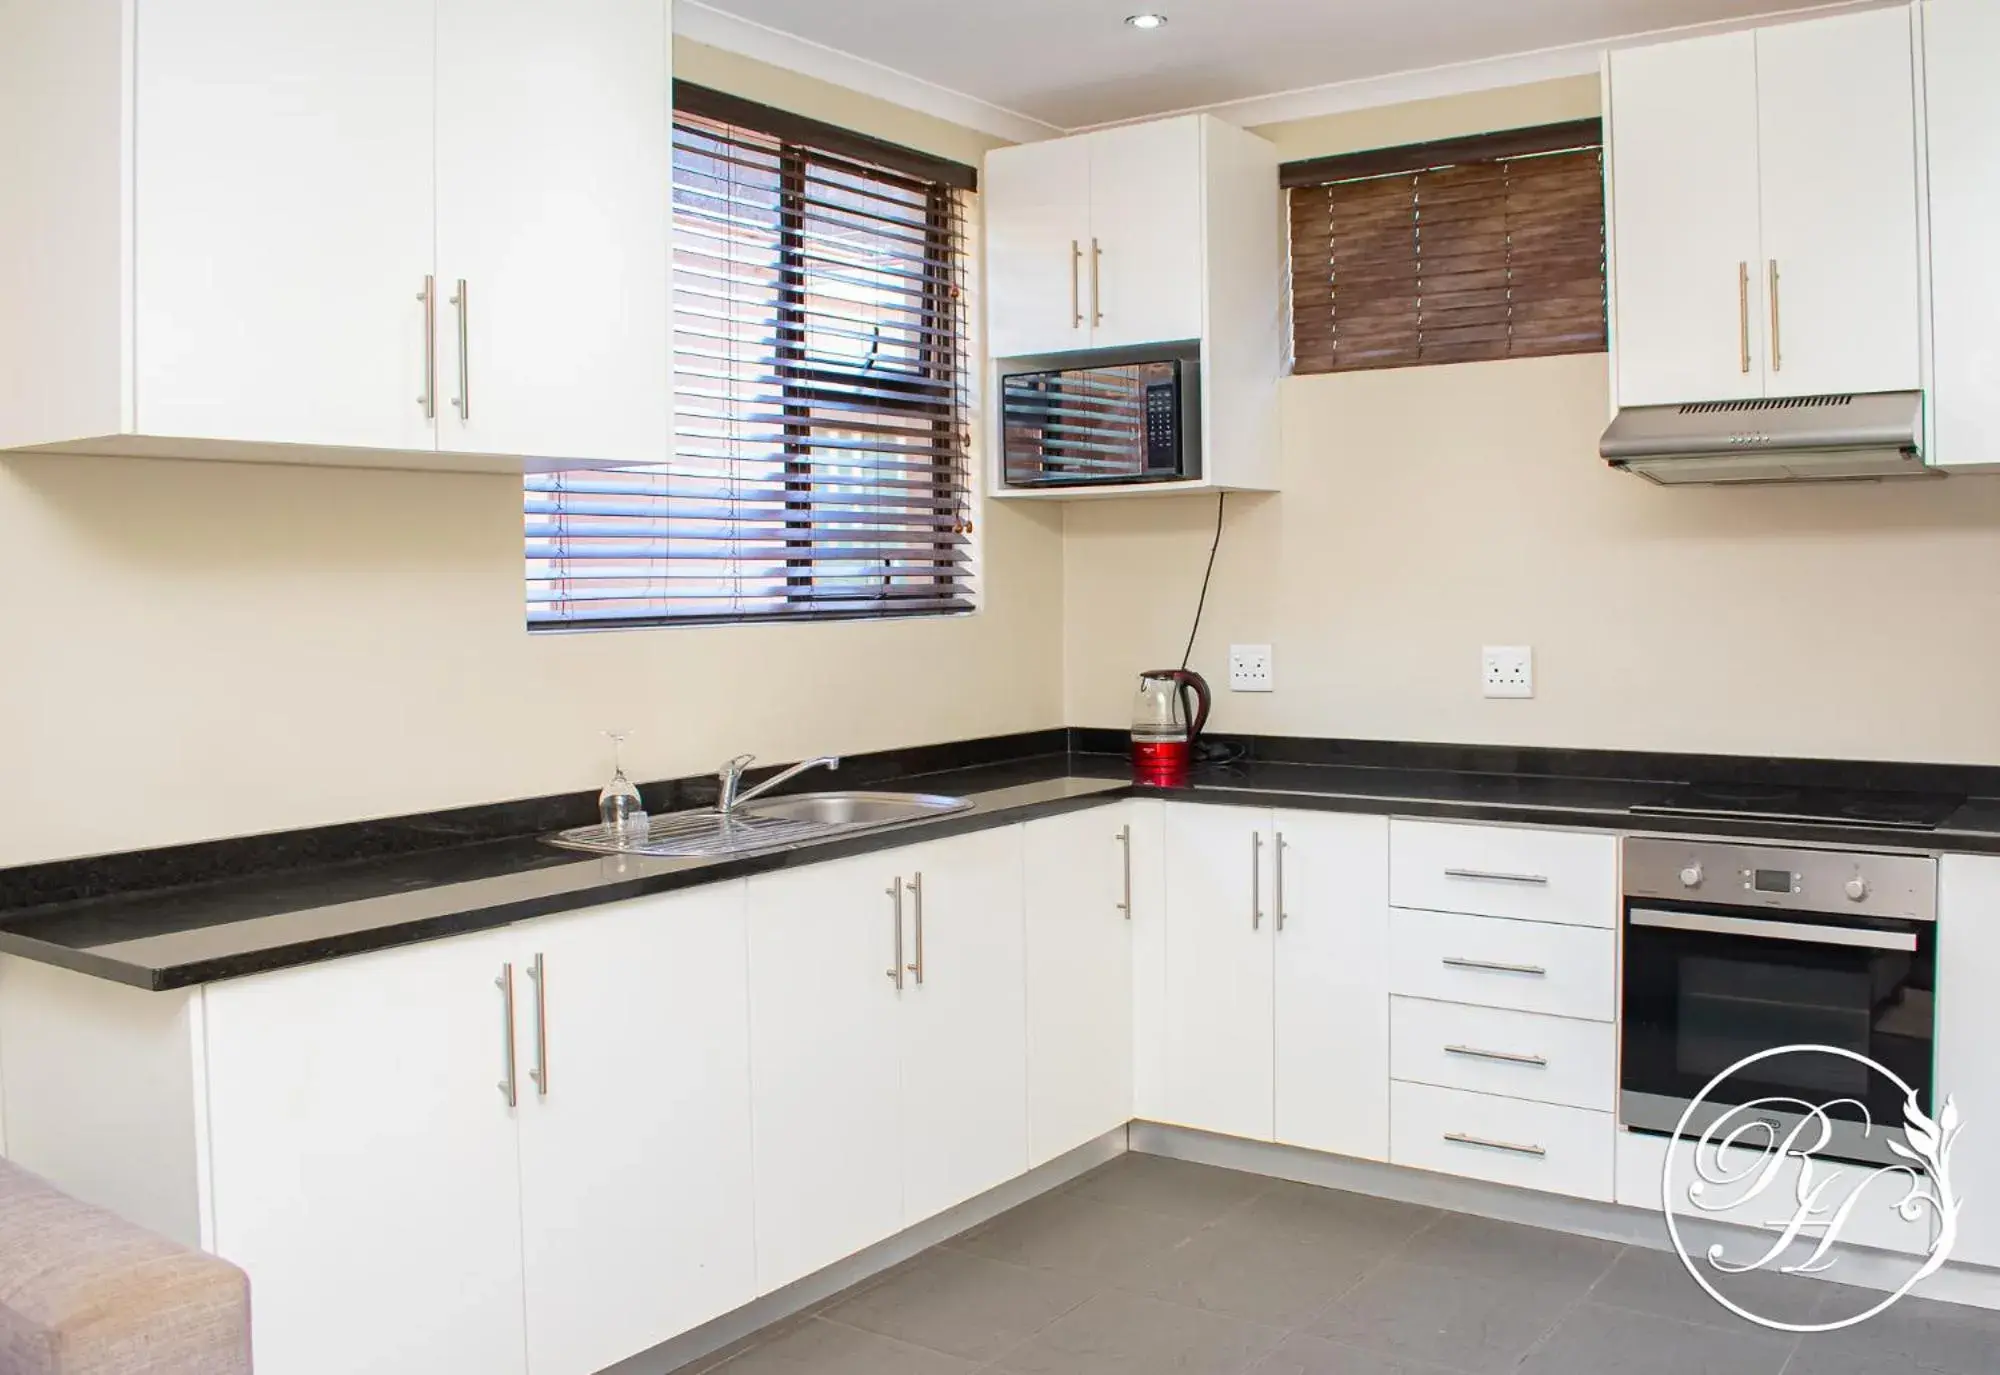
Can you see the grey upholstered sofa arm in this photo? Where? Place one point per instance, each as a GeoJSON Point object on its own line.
{"type": "Point", "coordinates": [83, 1292]}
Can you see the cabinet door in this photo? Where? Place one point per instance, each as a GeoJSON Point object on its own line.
{"type": "Point", "coordinates": [635, 1126]}
{"type": "Point", "coordinates": [1684, 221]}
{"type": "Point", "coordinates": [1219, 991]}
{"type": "Point", "coordinates": [554, 160]}
{"type": "Point", "coordinates": [1968, 971]}
{"type": "Point", "coordinates": [964, 1020]}
{"type": "Point", "coordinates": [1144, 261]}
{"type": "Point", "coordinates": [1837, 135]}
{"type": "Point", "coordinates": [1148, 820]}
{"type": "Point", "coordinates": [1962, 126]}
{"type": "Point", "coordinates": [1332, 1012]}
{"type": "Point", "coordinates": [1037, 199]}
{"type": "Point", "coordinates": [363, 1154]}
{"type": "Point", "coordinates": [282, 221]}
{"type": "Point", "coordinates": [824, 1040]}
{"type": "Point", "coordinates": [1079, 978]}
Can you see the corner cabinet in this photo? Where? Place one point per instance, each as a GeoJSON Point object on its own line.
{"type": "Point", "coordinates": [1167, 232]}
{"type": "Point", "coordinates": [429, 234]}
{"type": "Point", "coordinates": [1765, 213]}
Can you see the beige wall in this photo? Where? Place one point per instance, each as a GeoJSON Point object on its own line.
{"type": "Point", "coordinates": [193, 650]}
{"type": "Point", "coordinates": [1428, 511]}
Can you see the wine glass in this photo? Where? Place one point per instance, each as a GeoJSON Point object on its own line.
{"type": "Point", "coordinates": [619, 806]}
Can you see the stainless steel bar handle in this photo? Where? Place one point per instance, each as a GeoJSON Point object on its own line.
{"type": "Point", "coordinates": [1505, 1057]}
{"type": "Point", "coordinates": [1492, 967]}
{"type": "Point", "coordinates": [1256, 880]}
{"type": "Point", "coordinates": [1804, 932]}
{"type": "Point", "coordinates": [1777, 338]}
{"type": "Point", "coordinates": [1096, 283]}
{"type": "Point", "coordinates": [538, 971]}
{"type": "Point", "coordinates": [1493, 876]}
{"type": "Point", "coordinates": [429, 297]}
{"type": "Point", "coordinates": [509, 1083]}
{"type": "Point", "coordinates": [1075, 284]}
{"type": "Point", "coordinates": [917, 897]}
{"type": "Point", "coordinates": [1743, 312]}
{"type": "Point", "coordinates": [464, 398]}
{"type": "Point", "coordinates": [1461, 1139]}
{"type": "Point", "coordinates": [1125, 844]}
{"type": "Point", "coordinates": [1278, 895]}
{"type": "Point", "coordinates": [896, 965]}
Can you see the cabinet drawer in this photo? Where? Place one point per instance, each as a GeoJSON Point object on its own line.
{"type": "Point", "coordinates": [1516, 1054]}
{"type": "Point", "coordinates": [1530, 966]}
{"type": "Point", "coordinates": [1505, 1140]}
{"type": "Point", "coordinates": [1505, 871]}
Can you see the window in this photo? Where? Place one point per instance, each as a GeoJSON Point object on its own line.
{"type": "Point", "coordinates": [1487, 247]}
{"type": "Point", "coordinates": [820, 467]}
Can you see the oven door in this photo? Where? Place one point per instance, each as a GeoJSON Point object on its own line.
{"type": "Point", "coordinates": [1707, 986]}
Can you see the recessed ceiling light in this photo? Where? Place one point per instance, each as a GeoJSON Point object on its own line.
{"type": "Point", "coordinates": [1146, 21]}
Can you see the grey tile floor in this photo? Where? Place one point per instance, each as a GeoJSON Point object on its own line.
{"type": "Point", "coordinates": [1148, 1265]}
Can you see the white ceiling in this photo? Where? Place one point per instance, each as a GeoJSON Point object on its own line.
{"type": "Point", "coordinates": [1075, 63]}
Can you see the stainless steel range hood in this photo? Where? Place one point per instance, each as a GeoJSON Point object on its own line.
{"type": "Point", "coordinates": [1790, 439]}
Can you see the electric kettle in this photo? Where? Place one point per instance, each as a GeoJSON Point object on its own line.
{"type": "Point", "coordinates": [1167, 719]}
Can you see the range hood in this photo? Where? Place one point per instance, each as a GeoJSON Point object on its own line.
{"type": "Point", "coordinates": [1788, 439]}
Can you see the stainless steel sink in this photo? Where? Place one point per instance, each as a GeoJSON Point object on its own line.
{"type": "Point", "coordinates": [854, 810]}
{"type": "Point", "coordinates": [778, 823]}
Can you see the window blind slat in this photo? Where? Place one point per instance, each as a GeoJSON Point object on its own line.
{"type": "Point", "coordinates": [1471, 253]}
{"type": "Point", "coordinates": [820, 465]}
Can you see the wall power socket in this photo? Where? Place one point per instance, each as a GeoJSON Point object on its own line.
{"type": "Point", "coordinates": [1250, 668]}
{"type": "Point", "coordinates": [1507, 671]}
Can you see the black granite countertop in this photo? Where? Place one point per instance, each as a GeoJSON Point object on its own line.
{"type": "Point", "coordinates": [167, 937]}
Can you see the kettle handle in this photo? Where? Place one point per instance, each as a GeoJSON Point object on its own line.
{"type": "Point", "coordinates": [1193, 682]}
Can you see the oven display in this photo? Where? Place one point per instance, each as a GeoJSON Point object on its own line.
{"type": "Point", "coordinates": [1772, 880]}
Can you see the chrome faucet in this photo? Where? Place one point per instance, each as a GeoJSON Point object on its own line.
{"type": "Point", "coordinates": [730, 777]}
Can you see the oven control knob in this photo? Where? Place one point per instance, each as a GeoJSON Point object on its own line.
{"type": "Point", "coordinates": [1857, 889]}
{"type": "Point", "coordinates": [1691, 876]}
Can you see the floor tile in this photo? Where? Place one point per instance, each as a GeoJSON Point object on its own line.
{"type": "Point", "coordinates": [1595, 1340]}
{"type": "Point", "coordinates": [1300, 1354]}
{"type": "Point", "coordinates": [1122, 1334]}
{"type": "Point", "coordinates": [1483, 1246]}
{"type": "Point", "coordinates": [1475, 1323]}
{"type": "Point", "coordinates": [1656, 1282]}
{"type": "Point", "coordinates": [1078, 1235]}
{"type": "Point", "coordinates": [1252, 1271]}
{"type": "Point", "coordinates": [1916, 1333]}
{"type": "Point", "coordinates": [820, 1347]}
{"type": "Point", "coordinates": [963, 1305]}
{"type": "Point", "coordinates": [1305, 1210]}
{"type": "Point", "coordinates": [1177, 1188]}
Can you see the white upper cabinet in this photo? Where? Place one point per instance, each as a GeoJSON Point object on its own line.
{"type": "Point", "coordinates": [239, 229]}
{"type": "Point", "coordinates": [1961, 55]}
{"type": "Point", "coordinates": [1765, 228]}
{"type": "Point", "coordinates": [1684, 220]}
{"type": "Point", "coordinates": [1146, 204]}
{"type": "Point", "coordinates": [1037, 199]}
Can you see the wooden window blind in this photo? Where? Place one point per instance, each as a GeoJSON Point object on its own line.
{"type": "Point", "coordinates": [1451, 252]}
{"type": "Point", "coordinates": [820, 466]}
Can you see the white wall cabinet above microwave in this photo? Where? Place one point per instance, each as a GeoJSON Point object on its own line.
{"type": "Point", "coordinates": [1155, 234]}
{"type": "Point", "coordinates": [1765, 217]}
{"type": "Point", "coordinates": [399, 233]}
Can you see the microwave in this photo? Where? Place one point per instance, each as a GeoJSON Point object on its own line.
{"type": "Point", "coordinates": [1103, 418]}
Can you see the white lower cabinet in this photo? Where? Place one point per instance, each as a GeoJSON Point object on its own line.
{"type": "Point", "coordinates": [1504, 1140]}
{"type": "Point", "coordinates": [1276, 1006]}
{"type": "Point", "coordinates": [1968, 1071]}
{"type": "Point", "coordinates": [1515, 1054]}
{"type": "Point", "coordinates": [888, 1044]}
{"type": "Point", "coordinates": [362, 1143]}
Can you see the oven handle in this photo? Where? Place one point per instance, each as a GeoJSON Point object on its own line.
{"type": "Point", "coordinates": [1774, 930]}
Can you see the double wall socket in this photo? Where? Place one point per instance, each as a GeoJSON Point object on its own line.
{"type": "Point", "coordinates": [1250, 668]}
{"type": "Point", "coordinates": [1508, 671]}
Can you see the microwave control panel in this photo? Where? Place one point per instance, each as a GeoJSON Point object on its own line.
{"type": "Point", "coordinates": [1163, 428]}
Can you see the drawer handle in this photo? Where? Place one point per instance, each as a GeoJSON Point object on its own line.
{"type": "Point", "coordinates": [1492, 876]}
{"type": "Point", "coordinates": [1504, 1056]}
{"type": "Point", "coordinates": [1461, 1139]}
{"type": "Point", "coordinates": [1533, 971]}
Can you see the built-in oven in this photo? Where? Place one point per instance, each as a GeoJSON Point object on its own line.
{"type": "Point", "coordinates": [1107, 417]}
{"type": "Point", "coordinates": [1735, 949]}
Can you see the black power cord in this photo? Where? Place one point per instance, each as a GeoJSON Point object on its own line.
{"type": "Point", "coordinates": [1215, 544]}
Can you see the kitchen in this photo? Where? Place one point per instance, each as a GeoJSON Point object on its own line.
{"type": "Point", "coordinates": [214, 650]}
